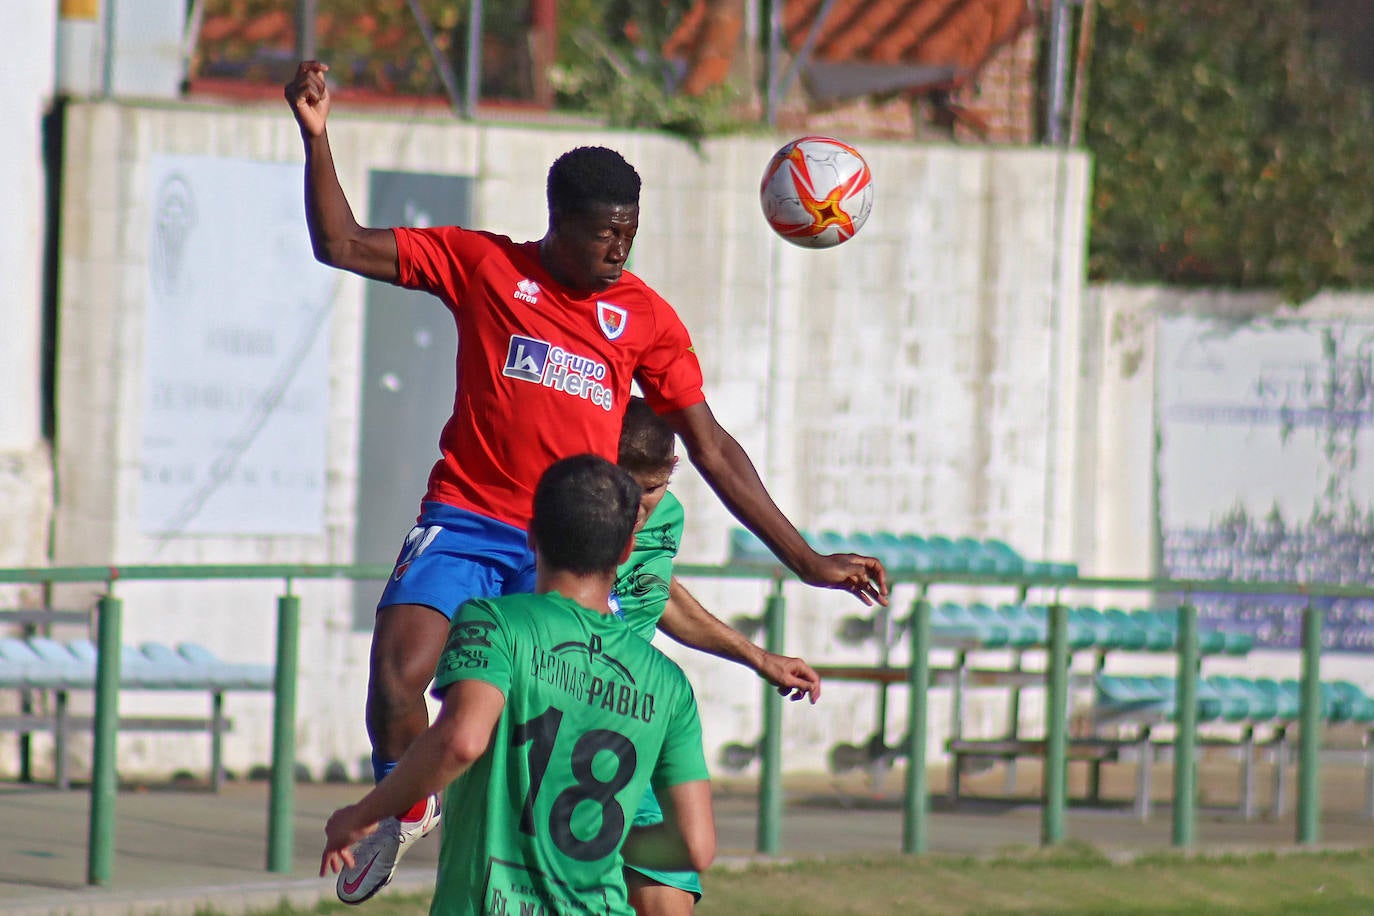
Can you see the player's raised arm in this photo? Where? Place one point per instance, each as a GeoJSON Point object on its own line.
{"type": "Point", "coordinates": [335, 235]}
{"type": "Point", "coordinates": [726, 467]}
{"type": "Point", "coordinates": [687, 621]}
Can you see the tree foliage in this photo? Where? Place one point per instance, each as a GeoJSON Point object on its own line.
{"type": "Point", "coordinates": [1229, 149]}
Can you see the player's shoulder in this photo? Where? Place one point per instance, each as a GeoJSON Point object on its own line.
{"type": "Point", "coordinates": [463, 237]}
{"type": "Point", "coordinates": [635, 290]}
{"type": "Point", "coordinates": [670, 506]}
{"type": "Point", "coordinates": [649, 658]}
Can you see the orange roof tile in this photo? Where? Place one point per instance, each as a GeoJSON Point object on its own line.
{"type": "Point", "coordinates": [960, 34]}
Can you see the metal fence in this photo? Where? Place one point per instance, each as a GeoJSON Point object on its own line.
{"type": "Point", "coordinates": [916, 810]}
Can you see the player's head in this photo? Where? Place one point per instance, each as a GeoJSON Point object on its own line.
{"type": "Point", "coordinates": [647, 452]}
{"type": "Point", "coordinates": [593, 196]}
{"type": "Point", "coordinates": [584, 514]}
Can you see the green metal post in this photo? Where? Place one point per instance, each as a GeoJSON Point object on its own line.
{"type": "Point", "coordinates": [1185, 725]}
{"type": "Point", "coordinates": [104, 777]}
{"type": "Point", "coordinates": [281, 804]}
{"type": "Point", "coordinates": [1056, 785]}
{"type": "Point", "coordinates": [916, 814]}
{"type": "Point", "coordinates": [1310, 728]}
{"type": "Point", "coordinates": [770, 750]}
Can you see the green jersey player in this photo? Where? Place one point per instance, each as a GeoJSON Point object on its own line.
{"type": "Point", "coordinates": [556, 719]}
{"type": "Point", "coordinates": [649, 598]}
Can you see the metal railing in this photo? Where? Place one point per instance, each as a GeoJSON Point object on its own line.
{"type": "Point", "coordinates": [916, 809]}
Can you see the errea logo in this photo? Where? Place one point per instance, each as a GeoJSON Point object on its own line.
{"type": "Point", "coordinates": [540, 362]}
{"type": "Point", "coordinates": [527, 291]}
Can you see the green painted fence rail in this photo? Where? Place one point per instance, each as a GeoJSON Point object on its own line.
{"type": "Point", "coordinates": [916, 809]}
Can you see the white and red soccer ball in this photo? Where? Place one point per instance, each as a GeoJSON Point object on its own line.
{"type": "Point", "coordinates": [816, 192]}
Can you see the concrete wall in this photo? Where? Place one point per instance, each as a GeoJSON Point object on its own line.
{"type": "Point", "coordinates": [923, 377]}
{"type": "Point", "coordinates": [26, 46]}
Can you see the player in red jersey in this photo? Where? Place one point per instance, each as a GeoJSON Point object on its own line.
{"type": "Point", "coordinates": [551, 334]}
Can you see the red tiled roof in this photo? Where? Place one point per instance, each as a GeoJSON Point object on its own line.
{"type": "Point", "coordinates": [959, 34]}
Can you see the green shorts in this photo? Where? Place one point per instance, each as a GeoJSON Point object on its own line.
{"type": "Point", "coordinates": [650, 813]}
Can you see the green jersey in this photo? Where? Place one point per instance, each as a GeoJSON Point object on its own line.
{"type": "Point", "coordinates": [641, 582]}
{"type": "Point", "coordinates": [594, 715]}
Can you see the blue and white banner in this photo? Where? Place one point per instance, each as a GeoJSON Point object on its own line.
{"type": "Point", "coordinates": [1266, 468]}
{"type": "Point", "coordinates": [235, 355]}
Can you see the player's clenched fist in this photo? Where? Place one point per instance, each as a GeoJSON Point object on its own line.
{"type": "Point", "coordinates": [308, 96]}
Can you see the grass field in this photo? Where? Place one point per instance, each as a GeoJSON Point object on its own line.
{"type": "Point", "coordinates": [1070, 880]}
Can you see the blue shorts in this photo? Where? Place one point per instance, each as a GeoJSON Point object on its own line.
{"type": "Point", "coordinates": [452, 555]}
{"type": "Point", "coordinates": [650, 813]}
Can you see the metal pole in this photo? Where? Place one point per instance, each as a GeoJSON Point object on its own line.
{"type": "Point", "coordinates": [281, 803]}
{"type": "Point", "coordinates": [306, 13]}
{"type": "Point", "coordinates": [1310, 727]}
{"type": "Point", "coordinates": [441, 62]}
{"type": "Point", "coordinates": [107, 40]}
{"type": "Point", "coordinates": [916, 814]}
{"type": "Point", "coordinates": [104, 779]}
{"type": "Point", "coordinates": [774, 60]}
{"type": "Point", "coordinates": [473, 88]}
{"type": "Point", "coordinates": [1059, 71]}
{"type": "Point", "coordinates": [1185, 724]}
{"type": "Point", "coordinates": [770, 745]}
{"type": "Point", "coordinates": [1056, 728]}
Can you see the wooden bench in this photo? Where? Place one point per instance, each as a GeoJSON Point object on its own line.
{"type": "Point", "coordinates": [45, 672]}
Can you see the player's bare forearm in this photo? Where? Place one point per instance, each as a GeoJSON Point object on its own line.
{"type": "Point", "coordinates": [426, 767]}
{"type": "Point", "coordinates": [728, 470]}
{"type": "Point", "coordinates": [438, 756]}
{"type": "Point", "coordinates": [687, 621]}
{"type": "Point", "coordinates": [335, 236]}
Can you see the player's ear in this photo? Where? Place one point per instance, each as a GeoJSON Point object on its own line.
{"type": "Point", "coordinates": [629, 549]}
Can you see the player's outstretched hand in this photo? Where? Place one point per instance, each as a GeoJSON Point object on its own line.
{"type": "Point", "coordinates": [863, 576]}
{"type": "Point", "coordinates": [308, 96]}
{"type": "Point", "coordinates": [341, 832]}
{"type": "Point", "coordinates": [793, 677]}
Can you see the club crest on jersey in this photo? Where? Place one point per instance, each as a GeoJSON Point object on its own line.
{"type": "Point", "coordinates": [612, 319]}
{"type": "Point", "coordinates": [527, 291]}
{"type": "Point", "coordinates": [543, 363]}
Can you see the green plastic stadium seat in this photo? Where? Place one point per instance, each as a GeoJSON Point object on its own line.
{"type": "Point", "coordinates": [1080, 637]}
{"type": "Point", "coordinates": [1020, 634]}
{"type": "Point", "coordinates": [1017, 616]}
{"type": "Point", "coordinates": [1238, 642]}
{"type": "Point", "coordinates": [1105, 635]}
{"type": "Point", "coordinates": [1006, 560]}
{"type": "Point", "coordinates": [979, 561]}
{"type": "Point", "coordinates": [1262, 705]}
{"type": "Point", "coordinates": [1285, 701]}
{"type": "Point", "coordinates": [947, 621]}
{"type": "Point", "coordinates": [948, 557]}
{"type": "Point", "coordinates": [990, 634]}
{"type": "Point", "coordinates": [1359, 706]}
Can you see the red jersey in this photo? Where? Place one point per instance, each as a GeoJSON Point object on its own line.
{"type": "Point", "coordinates": [543, 372]}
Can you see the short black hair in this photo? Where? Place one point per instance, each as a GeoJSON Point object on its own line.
{"type": "Point", "coordinates": [587, 176]}
{"type": "Point", "coordinates": [646, 440]}
{"type": "Point", "coordinates": [585, 509]}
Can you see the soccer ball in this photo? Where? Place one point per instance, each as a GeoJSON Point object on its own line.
{"type": "Point", "coordinates": [816, 192]}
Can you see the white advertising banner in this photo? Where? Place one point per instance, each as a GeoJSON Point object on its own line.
{"type": "Point", "coordinates": [1266, 467]}
{"type": "Point", "coordinates": [236, 353]}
